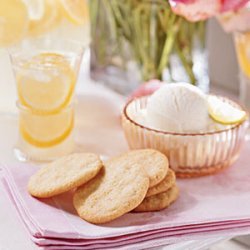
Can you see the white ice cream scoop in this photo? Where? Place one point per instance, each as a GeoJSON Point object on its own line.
{"type": "Point", "coordinates": [178, 107]}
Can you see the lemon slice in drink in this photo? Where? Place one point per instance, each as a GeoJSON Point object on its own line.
{"type": "Point", "coordinates": [223, 112]}
{"type": "Point", "coordinates": [46, 83]}
{"type": "Point", "coordinates": [243, 52]}
{"type": "Point", "coordinates": [75, 11]}
{"type": "Point", "coordinates": [35, 8]}
{"type": "Point", "coordinates": [46, 130]}
{"type": "Point", "coordinates": [14, 21]}
{"type": "Point", "coordinates": [44, 16]}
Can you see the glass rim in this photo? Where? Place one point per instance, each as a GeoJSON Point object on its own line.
{"type": "Point", "coordinates": [125, 113]}
{"type": "Point", "coordinates": [18, 46]}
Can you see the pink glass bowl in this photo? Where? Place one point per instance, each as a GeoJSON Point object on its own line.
{"type": "Point", "coordinates": [190, 155]}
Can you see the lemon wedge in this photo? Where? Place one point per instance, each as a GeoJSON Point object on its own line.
{"type": "Point", "coordinates": [46, 84]}
{"type": "Point", "coordinates": [76, 11]}
{"type": "Point", "coordinates": [223, 112]}
{"type": "Point", "coordinates": [14, 21]}
{"type": "Point", "coordinates": [46, 130]}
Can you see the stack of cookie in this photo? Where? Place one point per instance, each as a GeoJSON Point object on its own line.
{"type": "Point", "coordinates": [160, 196]}
{"type": "Point", "coordinates": [137, 181]}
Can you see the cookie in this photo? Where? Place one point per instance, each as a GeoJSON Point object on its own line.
{"type": "Point", "coordinates": [119, 188]}
{"type": "Point", "coordinates": [164, 185]}
{"type": "Point", "coordinates": [154, 163]}
{"type": "Point", "coordinates": [159, 201]}
{"type": "Point", "coordinates": [64, 174]}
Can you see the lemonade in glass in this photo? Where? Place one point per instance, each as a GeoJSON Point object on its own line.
{"type": "Point", "coordinates": [242, 44]}
{"type": "Point", "coordinates": [22, 19]}
{"type": "Point", "coordinates": [46, 71]}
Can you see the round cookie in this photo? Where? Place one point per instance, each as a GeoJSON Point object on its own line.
{"type": "Point", "coordinates": [155, 163]}
{"type": "Point", "coordinates": [159, 201]}
{"type": "Point", "coordinates": [64, 174]}
{"type": "Point", "coordinates": [164, 185]}
{"type": "Point", "coordinates": [119, 188]}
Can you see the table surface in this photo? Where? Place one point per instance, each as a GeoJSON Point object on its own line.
{"type": "Point", "coordinates": [13, 235]}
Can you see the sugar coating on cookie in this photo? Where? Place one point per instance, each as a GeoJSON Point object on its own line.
{"type": "Point", "coordinates": [154, 162]}
{"type": "Point", "coordinates": [117, 189]}
{"type": "Point", "coordinates": [64, 174]}
{"type": "Point", "coordinates": [159, 201]}
{"type": "Point", "coordinates": [164, 185]}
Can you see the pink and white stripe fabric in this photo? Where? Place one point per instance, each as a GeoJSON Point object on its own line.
{"type": "Point", "coordinates": [213, 206]}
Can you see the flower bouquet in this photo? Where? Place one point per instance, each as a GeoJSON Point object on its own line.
{"type": "Point", "coordinates": [137, 40]}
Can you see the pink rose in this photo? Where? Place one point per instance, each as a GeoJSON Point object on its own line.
{"type": "Point", "coordinates": [196, 10]}
{"type": "Point", "coordinates": [146, 88]}
{"type": "Point", "coordinates": [236, 21]}
{"type": "Point", "coordinates": [232, 5]}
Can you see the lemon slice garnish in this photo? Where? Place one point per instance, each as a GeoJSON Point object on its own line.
{"type": "Point", "coordinates": [46, 84]}
{"type": "Point", "coordinates": [14, 21]}
{"type": "Point", "coordinates": [46, 131]}
{"type": "Point", "coordinates": [223, 112]}
{"type": "Point", "coordinates": [75, 11]}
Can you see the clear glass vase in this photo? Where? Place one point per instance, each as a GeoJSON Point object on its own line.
{"type": "Point", "coordinates": [135, 41]}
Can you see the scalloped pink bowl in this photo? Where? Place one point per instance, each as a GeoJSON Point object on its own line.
{"type": "Point", "coordinates": [190, 155]}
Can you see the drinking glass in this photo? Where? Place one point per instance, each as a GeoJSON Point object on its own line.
{"type": "Point", "coordinates": [242, 44]}
{"type": "Point", "coordinates": [46, 72]}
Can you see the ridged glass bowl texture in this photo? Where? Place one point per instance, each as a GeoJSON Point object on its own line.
{"type": "Point", "coordinates": [190, 155]}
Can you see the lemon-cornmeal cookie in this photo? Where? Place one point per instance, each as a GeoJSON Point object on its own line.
{"type": "Point", "coordinates": [159, 201]}
{"type": "Point", "coordinates": [119, 188]}
{"type": "Point", "coordinates": [164, 185]}
{"type": "Point", "coordinates": [154, 163]}
{"type": "Point", "coordinates": [64, 174]}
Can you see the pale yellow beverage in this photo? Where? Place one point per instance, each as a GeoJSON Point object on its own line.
{"type": "Point", "coordinates": [59, 18]}
{"type": "Point", "coordinates": [242, 44]}
{"type": "Point", "coordinates": [14, 22]}
{"type": "Point", "coordinates": [46, 73]}
{"type": "Point", "coordinates": [45, 137]}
